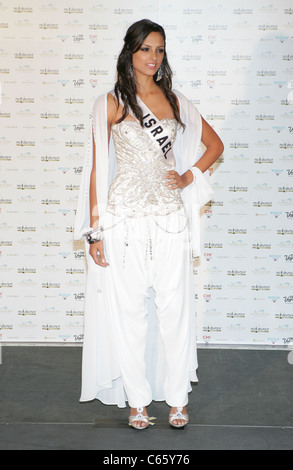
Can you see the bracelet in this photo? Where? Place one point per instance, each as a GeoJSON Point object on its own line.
{"type": "Point", "coordinates": [94, 235]}
{"type": "Point", "coordinates": [193, 170]}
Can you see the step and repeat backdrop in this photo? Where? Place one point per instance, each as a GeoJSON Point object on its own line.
{"type": "Point", "coordinates": [234, 60]}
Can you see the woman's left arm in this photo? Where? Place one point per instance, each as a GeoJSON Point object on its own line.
{"type": "Point", "coordinates": [214, 149]}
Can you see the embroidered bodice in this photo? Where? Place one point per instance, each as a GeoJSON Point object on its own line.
{"type": "Point", "coordinates": [139, 187]}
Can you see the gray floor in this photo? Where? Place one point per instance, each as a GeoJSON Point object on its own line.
{"type": "Point", "coordinates": [243, 401]}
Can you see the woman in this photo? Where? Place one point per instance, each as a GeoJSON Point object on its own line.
{"type": "Point", "coordinates": [138, 208]}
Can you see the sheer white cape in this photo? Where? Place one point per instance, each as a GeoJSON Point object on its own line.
{"type": "Point", "coordinates": [101, 376]}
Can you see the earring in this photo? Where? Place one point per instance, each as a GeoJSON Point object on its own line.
{"type": "Point", "coordinates": [131, 71]}
{"type": "Point", "coordinates": [160, 74]}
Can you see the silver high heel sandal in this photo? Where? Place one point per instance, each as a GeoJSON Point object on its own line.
{"type": "Point", "coordinates": [134, 421]}
{"type": "Point", "coordinates": [178, 416]}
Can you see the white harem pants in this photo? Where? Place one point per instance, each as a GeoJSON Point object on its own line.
{"type": "Point", "coordinates": [145, 252]}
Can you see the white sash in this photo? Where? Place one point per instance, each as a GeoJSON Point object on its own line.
{"type": "Point", "coordinates": [154, 127]}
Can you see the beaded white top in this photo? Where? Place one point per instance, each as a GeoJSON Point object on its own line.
{"type": "Point", "coordinates": [139, 187]}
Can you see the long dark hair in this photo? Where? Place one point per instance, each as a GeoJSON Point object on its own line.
{"type": "Point", "coordinates": [125, 87]}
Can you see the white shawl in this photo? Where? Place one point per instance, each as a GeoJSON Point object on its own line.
{"type": "Point", "coordinates": [100, 369]}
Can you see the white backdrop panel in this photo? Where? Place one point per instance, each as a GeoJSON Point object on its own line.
{"type": "Point", "coordinates": [234, 61]}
